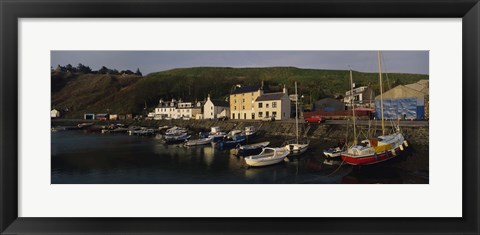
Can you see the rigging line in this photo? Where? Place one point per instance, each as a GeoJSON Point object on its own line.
{"type": "Point", "coordinates": [384, 71]}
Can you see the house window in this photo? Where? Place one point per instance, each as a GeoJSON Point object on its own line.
{"type": "Point", "coordinates": [211, 114]}
{"type": "Point", "coordinates": [243, 100]}
{"type": "Point", "coordinates": [260, 105]}
{"type": "Point", "coordinates": [252, 94]}
{"type": "Point", "coordinates": [235, 101]}
{"type": "Point", "coordinates": [243, 107]}
{"type": "Point", "coordinates": [266, 114]}
{"type": "Point", "coordinates": [253, 116]}
{"type": "Point", "coordinates": [266, 105]}
{"type": "Point", "coordinates": [260, 114]}
{"type": "Point", "coordinates": [234, 107]}
{"type": "Point", "coordinates": [211, 108]}
{"type": "Point", "coordinates": [274, 104]}
{"type": "Point", "coordinates": [274, 114]}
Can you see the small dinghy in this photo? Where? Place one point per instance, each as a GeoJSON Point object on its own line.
{"type": "Point", "coordinates": [333, 152]}
{"type": "Point", "coordinates": [252, 149]}
{"type": "Point", "coordinates": [268, 156]}
{"type": "Point", "coordinates": [202, 141]}
{"type": "Point", "coordinates": [172, 139]}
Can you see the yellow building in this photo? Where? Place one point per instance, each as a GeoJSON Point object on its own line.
{"type": "Point", "coordinates": [242, 101]}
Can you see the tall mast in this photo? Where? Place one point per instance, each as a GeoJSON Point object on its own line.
{"type": "Point", "coordinates": [381, 91]}
{"type": "Point", "coordinates": [296, 110]}
{"type": "Point", "coordinates": [353, 109]}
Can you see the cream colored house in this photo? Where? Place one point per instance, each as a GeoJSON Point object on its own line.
{"type": "Point", "coordinates": [166, 109]}
{"type": "Point", "coordinates": [54, 113]}
{"type": "Point", "coordinates": [242, 101]}
{"type": "Point", "coordinates": [215, 109]}
{"type": "Point", "coordinates": [273, 106]}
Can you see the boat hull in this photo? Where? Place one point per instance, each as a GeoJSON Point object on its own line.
{"type": "Point", "coordinates": [263, 163]}
{"type": "Point", "coordinates": [371, 158]}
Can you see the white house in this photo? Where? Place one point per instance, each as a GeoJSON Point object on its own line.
{"type": "Point", "coordinates": [166, 109]}
{"type": "Point", "coordinates": [215, 109]}
{"type": "Point", "coordinates": [361, 96]}
{"type": "Point", "coordinates": [273, 105]}
{"type": "Point", "coordinates": [177, 109]}
{"type": "Point", "coordinates": [54, 113]}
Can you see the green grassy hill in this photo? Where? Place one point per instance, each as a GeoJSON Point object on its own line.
{"type": "Point", "coordinates": [129, 93]}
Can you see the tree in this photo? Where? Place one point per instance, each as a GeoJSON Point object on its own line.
{"type": "Point", "coordinates": [69, 68]}
{"type": "Point", "coordinates": [83, 69]}
{"type": "Point", "coordinates": [138, 72]}
{"type": "Point", "coordinates": [103, 70]}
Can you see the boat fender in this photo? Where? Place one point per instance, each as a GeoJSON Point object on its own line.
{"type": "Point", "coordinates": [405, 143]}
{"type": "Point", "coordinates": [393, 152]}
{"type": "Point", "coordinates": [401, 147]}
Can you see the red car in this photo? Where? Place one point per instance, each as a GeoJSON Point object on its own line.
{"type": "Point", "coordinates": [314, 119]}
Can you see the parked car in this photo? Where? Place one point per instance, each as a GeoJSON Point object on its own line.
{"type": "Point", "coordinates": [315, 119]}
{"type": "Point", "coordinates": [268, 119]}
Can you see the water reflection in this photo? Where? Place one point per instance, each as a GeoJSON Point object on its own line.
{"type": "Point", "coordinates": [79, 157]}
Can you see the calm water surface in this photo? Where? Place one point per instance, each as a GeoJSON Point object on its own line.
{"type": "Point", "coordinates": [93, 158]}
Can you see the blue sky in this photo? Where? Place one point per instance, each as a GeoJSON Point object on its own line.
{"type": "Point", "coordinates": [153, 61]}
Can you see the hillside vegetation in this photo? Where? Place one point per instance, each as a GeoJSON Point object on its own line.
{"type": "Point", "coordinates": [96, 93]}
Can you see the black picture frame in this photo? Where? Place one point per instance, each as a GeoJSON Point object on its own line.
{"type": "Point", "coordinates": [11, 11]}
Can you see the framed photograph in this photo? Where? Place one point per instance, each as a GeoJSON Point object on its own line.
{"type": "Point", "coordinates": [239, 117]}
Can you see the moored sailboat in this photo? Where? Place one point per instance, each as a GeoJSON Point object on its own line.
{"type": "Point", "coordinates": [295, 147]}
{"type": "Point", "coordinates": [375, 150]}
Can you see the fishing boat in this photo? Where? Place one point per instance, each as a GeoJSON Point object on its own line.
{"type": "Point", "coordinates": [202, 141]}
{"type": "Point", "coordinates": [295, 147]}
{"type": "Point", "coordinates": [250, 131]}
{"type": "Point", "coordinates": [171, 139]}
{"type": "Point", "coordinates": [228, 144]}
{"type": "Point", "coordinates": [251, 149]}
{"type": "Point", "coordinates": [268, 156]}
{"type": "Point", "coordinates": [379, 149]}
{"type": "Point", "coordinates": [214, 130]}
{"type": "Point", "coordinates": [176, 131]}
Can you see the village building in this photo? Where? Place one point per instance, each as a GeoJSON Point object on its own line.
{"type": "Point", "coordinates": [274, 106]}
{"type": "Point", "coordinates": [165, 109]}
{"type": "Point", "coordinates": [328, 104]}
{"type": "Point", "coordinates": [405, 102]}
{"type": "Point", "coordinates": [54, 113]}
{"type": "Point", "coordinates": [242, 100]}
{"type": "Point", "coordinates": [215, 109]}
{"type": "Point", "coordinates": [102, 116]}
{"type": "Point", "coordinates": [362, 97]}
{"type": "Point", "coordinates": [188, 110]}
{"type": "Point", "coordinates": [177, 110]}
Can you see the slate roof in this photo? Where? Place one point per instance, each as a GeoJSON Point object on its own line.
{"type": "Point", "coordinates": [220, 103]}
{"type": "Point", "coordinates": [270, 96]}
{"type": "Point", "coordinates": [246, 89]}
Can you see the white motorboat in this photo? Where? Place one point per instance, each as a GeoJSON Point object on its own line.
{"type": "Point", "coordinates": [268, 156]}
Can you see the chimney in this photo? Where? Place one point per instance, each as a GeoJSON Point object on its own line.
{"type": "Point", "coordinates": [284, 89]}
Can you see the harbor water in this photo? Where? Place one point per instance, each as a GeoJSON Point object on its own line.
{"type": "Point", "coordinates": [80, 157]}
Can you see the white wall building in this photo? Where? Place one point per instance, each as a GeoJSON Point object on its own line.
{"type": "Point", "coordinates": [54, 113]}
{"type": "Point", "coordinates": [215, 109]}
{"type": "Point", "coordinates": [166, 109]}
{"type": "Point", "coordinates": [273, 105]}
